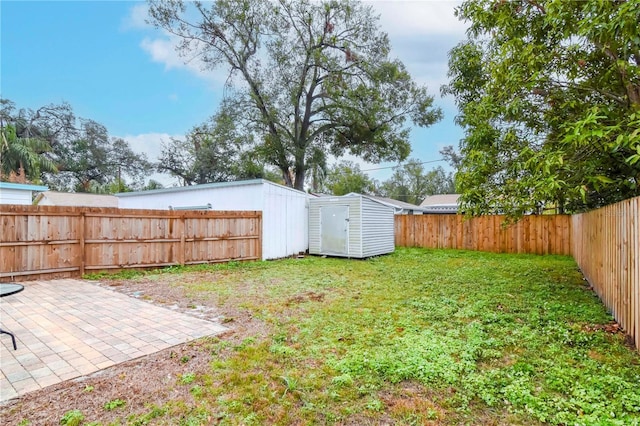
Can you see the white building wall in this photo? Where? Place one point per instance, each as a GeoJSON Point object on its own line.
{"type": "Point", "coordinates": [15, 196]}
{"type": "Point", "coordinates": [314, 225]}
{"type": "Point", "coordinates": [378, 233]}
{"type": "Point", "coordinates": [284, 221]}
{"type": "Point", "coordinates": [18, 193]}
{"type": "Point", "coordinates": [284, 210]}
{"type": "Point", "coordinates": [240, 197]}
{"type": "Point", "coordinates": [355, 226]}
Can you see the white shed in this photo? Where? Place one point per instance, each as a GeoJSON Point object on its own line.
{"type": "Point", "coordinates": [18, 193]}
{"type": "Point", "coordinates": [353, 225]}
{"type": "Point", "coordinates": [284, 210]}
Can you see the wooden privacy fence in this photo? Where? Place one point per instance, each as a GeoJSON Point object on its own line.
{"type": "Point", "coordinates": [44, 241]}
{"type": "Point", "coordinates": [544, 234]}
{"type": "Point", "coordinates": [606, 246]}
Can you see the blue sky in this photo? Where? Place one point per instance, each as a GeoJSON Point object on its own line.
{"type": "Point", "coordinates": [101, 58]}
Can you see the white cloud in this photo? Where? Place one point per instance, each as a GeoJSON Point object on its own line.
{"type": "Point", "coordinates": [422, 32]}
{"type": "Point", "coordinates": [163, 50]}
{"type": "Point", "coordinates": [415, 18]}
{"type": "Point", "coordinates": [151, 145]}
{"type": "Point", "coordinates": [161, 47]}
{"type": "Point", "coordinates": [137, 18]}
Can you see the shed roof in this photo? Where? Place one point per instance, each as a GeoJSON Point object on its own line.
{"type": "Point", "coordinates": [214, 185]}
{"type": "Point", "coordinates": [369, 197]}
{"type": "Point", "coordinates": [77, 199]}
{"type": "Point", "coordinates": [351, 194]}
{"type": "Point", "coordinates": [396, 203]}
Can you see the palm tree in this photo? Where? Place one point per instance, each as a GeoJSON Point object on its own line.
{"type": "Point", "coordinates": [23, 154]}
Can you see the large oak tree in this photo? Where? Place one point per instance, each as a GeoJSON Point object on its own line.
{"type": "Point", "coordinates": [214, 151]}
{"type": "Point", "coordinates": [311, 78]}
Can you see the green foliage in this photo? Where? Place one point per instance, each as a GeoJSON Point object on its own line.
{"type": "Point", "coordinates": [23, 156]}
{"type": "Point", "coordinates": [72, 418]}
{"type": "Point", "coordinates": [187, 378]}
{"type": "Point", "coordinates": [313, 78]}
{"type": "Point", "coordinates": [146, 418]}
{"type": "Point", "coordinates": [116, 403]}
{"type": "Point", "coordinates": [69, 154]}
{"type": "Point", "coordinates": [215, 151]}
{"type": "Point", "coordinates": [412, 184]}
{"type": "Point", "coordinates": [549, 96]}
{"type": "Point", "coordinates": [345, 177]}
{"type": "Point", "coordinates": [197, 391]}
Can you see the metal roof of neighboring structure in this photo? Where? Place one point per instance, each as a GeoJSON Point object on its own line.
{"type": "Point", "coordinates": [76, 199]}
{"type": "Point", "coordinates": [25, 187]}
{"type": "Point", "coordinates": [204, 186]}
{"type": "Point", "coordinates": [441, 203]}
{"type": "Point", "coordinates": [440, 200]}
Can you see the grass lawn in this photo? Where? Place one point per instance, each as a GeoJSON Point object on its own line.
{"type": "Point", "coordinates": [416, 337]}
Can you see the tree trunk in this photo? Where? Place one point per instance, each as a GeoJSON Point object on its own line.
{"type": "Point", "coordinates": [299, 183]}
{"type": "Point", "coordinates": [287, 178]}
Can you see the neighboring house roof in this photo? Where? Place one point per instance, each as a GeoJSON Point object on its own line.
{"type": "Point", "coordinates": [203, 186]}
{"type": "Point", "coordinates": [441, 203]}
{"type": "Point", "coordinates": [76, 199]}
{"type": "Point", "coordinates": [440, 199]}
{"type": "Point", "coordinates": [397, 203]}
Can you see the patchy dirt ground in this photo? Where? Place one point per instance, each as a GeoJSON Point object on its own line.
{"type": "Point", "coordinates": [143, 382]}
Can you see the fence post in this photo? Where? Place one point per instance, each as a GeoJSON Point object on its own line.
{"type": "Point", "coordinates": [259, 248]}
{"type": "Point", "coordinates": [181, 252]}
{"type": "Point", "coordinates": [82, 238]}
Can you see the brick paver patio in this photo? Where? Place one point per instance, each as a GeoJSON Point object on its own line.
{"type": "Point", "coordinates": [70, 328]}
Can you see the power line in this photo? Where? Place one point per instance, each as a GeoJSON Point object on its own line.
{"type": "Point", "coordinates": [400, 165]}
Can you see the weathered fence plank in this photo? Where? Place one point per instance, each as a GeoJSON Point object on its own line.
{"type": "Point", "coordinates": [39, 242]}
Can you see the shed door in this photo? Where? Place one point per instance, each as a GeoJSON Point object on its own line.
{"type": "Point", "coordinates": [334, 230]}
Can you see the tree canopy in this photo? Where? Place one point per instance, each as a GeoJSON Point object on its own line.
{"type": "Point", "coordinates": [412, 184]}
{"type": "Point", "coordinates": [22, 155]}
{"type": "Point", "coordinates": [308, 78]}
{"type": "Point", "coordinates": [549, 97]}
{"type": "Point", "coordinates": [346, 177]}
{"type": "Point", "coordinates": [52, 146]}
{"type": "Point", "coordinates": [214, 151]}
